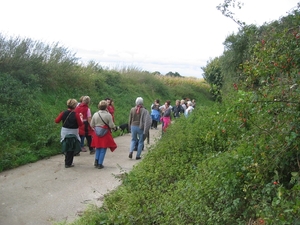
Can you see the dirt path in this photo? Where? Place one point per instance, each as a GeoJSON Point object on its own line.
{"type": "Point", "coordinates": [45, 192]}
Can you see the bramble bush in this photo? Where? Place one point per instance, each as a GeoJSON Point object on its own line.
{"type": "Point", "coordinates": [204, 170]}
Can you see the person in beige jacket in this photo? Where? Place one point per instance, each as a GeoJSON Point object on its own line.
{"type": "Point", "coordinates": [103, 119]}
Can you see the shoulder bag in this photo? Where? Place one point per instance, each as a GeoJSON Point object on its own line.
{"type": "Point", "coordinates": [101, 131]}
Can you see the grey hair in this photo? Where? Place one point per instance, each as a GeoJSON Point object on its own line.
{"type": "Point", "coordinates": [139, 101]}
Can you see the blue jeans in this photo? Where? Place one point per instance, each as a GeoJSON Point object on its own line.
{"type": "Point", "coordinates": [137, 135]}
{"type": "Point", "coordinates": [100, 154]}
{"type": "Point", "coordinates": [82, 141]}
{"type": "Point", "coordinates": [89, 142]}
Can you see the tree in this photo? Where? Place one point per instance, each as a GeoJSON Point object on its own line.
{"type": "Point", "coordinates": [213, 75]}
{"type": "Point", "coordinates": [171, 74]}
{"type": "Point", "coordinates": [226, 11]}
{"type": "Point", "coordinates": [156, 73]}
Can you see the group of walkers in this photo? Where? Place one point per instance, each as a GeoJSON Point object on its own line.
{"type": "Point", "coordinates": [163, 113]}
{"type": "Point", "coordinates": [79, 124]}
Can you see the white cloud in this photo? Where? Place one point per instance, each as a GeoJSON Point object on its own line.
{"type": "Point", "coordinates": [157, 35]}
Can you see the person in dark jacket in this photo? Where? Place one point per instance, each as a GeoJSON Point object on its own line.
{"type": "Point", "coordinates": [69, 134]}
{"type": "Point", "coordinates": [177, 109]}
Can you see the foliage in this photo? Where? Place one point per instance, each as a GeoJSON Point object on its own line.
{"type": "Point", "coordinates": [213, 75]}
{"type": "Point", "coordinates": [51, 65]}
{"type": "Point", "coordinates": [236, 52]}
{"type": "Point", "coordinates": [272, 74]}
{"type": "Point", "coordinates": [171, 74]}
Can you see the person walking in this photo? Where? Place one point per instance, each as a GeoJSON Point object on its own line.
{"type": "Point", "coordinates": [102, 119]}
{"type": "Point", "coordinates": [111, 107]}
{"type": "Point", "coordinates": [183, 104]}
{"type": "Point", "coordinates": [166, 115]}
{"type": "Point", "coordinates": [194, 103]}
{"type": "Point", "coordinates": [69, 134]}
{"type": "Point", "coordinates": [81, 139]}
{"type": "Point", "coordinates": [80, 100]}
{"type": "Point", "coordinates": [177, 109]}
{"type": "Point", "coordinates": [189, 109]}
{"type": "Point", "coordinates": [140, 122]}
{"type": "Point", "coordinates": [85, 131]}
{"type": "Point", "coordinates": [155, 114]}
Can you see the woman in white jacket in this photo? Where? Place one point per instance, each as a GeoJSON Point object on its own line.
{"type": "Point", "coordinates": [189, 109]}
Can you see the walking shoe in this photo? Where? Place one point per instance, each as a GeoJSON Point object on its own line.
{"type": "Point", "coordinates": [78, 154]}
{"type": "Point", "coordinates": [68, 166]}
{"type": "Point", "coordinates": [92, 152]}
{"type": "Point", "coordinates": [96, 163]}
{"type": "Point", "coordinates": [100, 166]}
{"type": "Point", "coordinates": [130, 155]}
{"type": "Point", "coordinates": [83, 149]}
{"type": "Point", "coordinates": [138, 157]}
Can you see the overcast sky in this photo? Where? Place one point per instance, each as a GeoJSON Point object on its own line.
{"type": "Point", "coordinates": [157, 35]}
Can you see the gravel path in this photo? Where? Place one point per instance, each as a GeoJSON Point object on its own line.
{"type": "Point", "coordinates": [45, 192]}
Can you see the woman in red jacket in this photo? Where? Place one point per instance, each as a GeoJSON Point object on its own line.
{"type": "Point", "coordinates": [103, 119]}
{"type": "Point", "coordinates": [111, 108]}
{"type": "Point", "coordinates": [85, 131]}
